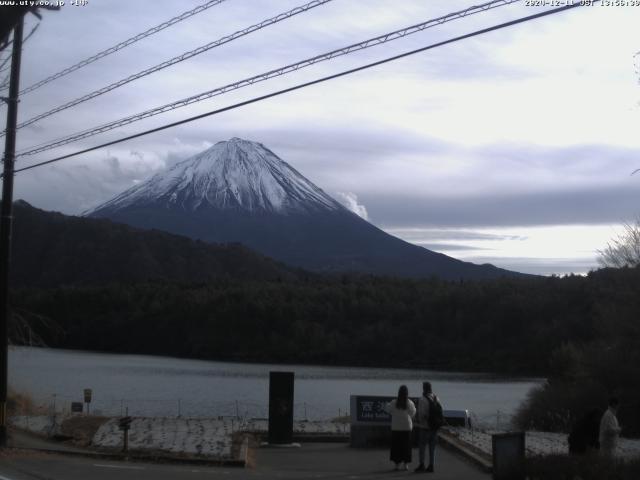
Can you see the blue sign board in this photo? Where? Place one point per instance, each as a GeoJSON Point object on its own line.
{"type": "Point", "coordinates": [372, 409]}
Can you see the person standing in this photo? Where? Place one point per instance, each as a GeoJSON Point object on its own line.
{"type": "Point", "coordinates": [402, 411]}
{"type": "Point", "coordinates": [430, 419]}
{"type": "Point", "coordinates": [610, 429]}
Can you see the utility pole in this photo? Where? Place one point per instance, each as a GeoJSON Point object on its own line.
{"type": "Point", "coordinates": [6, 219]}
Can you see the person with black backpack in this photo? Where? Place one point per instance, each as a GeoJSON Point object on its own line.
{"type": "Point", "coordinates": [430, 419]}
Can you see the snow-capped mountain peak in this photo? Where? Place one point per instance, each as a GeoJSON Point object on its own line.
{"type": "Point", "coordinates": [234, 174]}
{"type": "Point", "coordinates": [240, 191]}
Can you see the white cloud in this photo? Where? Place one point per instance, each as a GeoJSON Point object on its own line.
{"type": "Point", "coordinates": [552, 249]}
{"type": "Point", "coordinates": [350, 200]}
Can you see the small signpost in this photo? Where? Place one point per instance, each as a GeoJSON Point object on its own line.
{"type": "Point", "coordinates": [370, 422]}
{"type": "Point", "coordinates": [125, 425]}
{"type": "Point", "coordinates": [77, 407]}
{"type": "Point", "coordinates": [87, 398]}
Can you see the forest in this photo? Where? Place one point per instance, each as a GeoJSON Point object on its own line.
{"type": "Point", "coordinates": [530, 326]}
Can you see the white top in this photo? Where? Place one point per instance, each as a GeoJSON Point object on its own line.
{"type": "Point", "coordinates": [401, 419]}
{"type": "Point", "coordinates": [609, 430]}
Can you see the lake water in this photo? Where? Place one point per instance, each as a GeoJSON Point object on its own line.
{"type": "Point", "coordinates": [162, 386]}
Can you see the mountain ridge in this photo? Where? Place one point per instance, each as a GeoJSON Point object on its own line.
{"type": "Point", "coordinates": [51, 249]}
{"type": "Point", "coordinates": [240, 191]}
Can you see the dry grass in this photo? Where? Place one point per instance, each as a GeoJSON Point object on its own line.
{"type": "Point", "coordinates": [254, 443]}
{"type": "Point", "coordinates": [22, 403]}
{"type": "Point", "coordinates": [81, 429]}
{"type": "Point", "coordinates": [343, 419]}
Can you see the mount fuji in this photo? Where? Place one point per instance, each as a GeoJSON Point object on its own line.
{"type": "Point", "coordinates": [240, 191]}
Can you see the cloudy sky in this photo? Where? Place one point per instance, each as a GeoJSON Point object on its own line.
{"type": "Point", "coordinates": [514, 148]}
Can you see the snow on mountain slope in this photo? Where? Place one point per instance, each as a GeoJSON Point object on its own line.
{"type": "Point", "coordinates": [236, 174]}
{"type": "Point", "coordinates": [240, 191]}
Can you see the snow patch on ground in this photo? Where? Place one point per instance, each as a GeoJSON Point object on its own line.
{"type": "Point", "coordinates": [300, 427]}
{"type": "Point", "coordinates": [210, 437]}
{"type": "Point", "coordinates": [200, 436]}
{"type": "Point", "coordinates": [45, 425]}
{"type": "Point", "coordinates": [537, 443]}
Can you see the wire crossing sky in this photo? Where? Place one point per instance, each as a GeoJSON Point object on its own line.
{"type": "Point", "coordinates": [381, 39]}
{"type": "Point", "coordinates": [121, 45]}
{"type": "Point", "coordinates": [308, 84]}
{"type": "Point", "coordinates": [180, 58]}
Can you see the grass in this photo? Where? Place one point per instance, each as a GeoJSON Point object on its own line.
{"type": "Point", "coordinates": [80, 429]}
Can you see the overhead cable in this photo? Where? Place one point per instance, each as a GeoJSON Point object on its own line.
{"type": "Point", "coordinates": [178, 59]}
{"type": "Point", "coordinates": [306, 84]}
{"type": "Point", "coordinates": [268, 75]}
{"type": "Point", "coordinates": [121, 45]}
{"type": "Point", "coordinates": [4, 83]}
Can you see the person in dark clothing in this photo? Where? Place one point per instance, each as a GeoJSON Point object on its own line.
{"type": "Point", "coordinates": [429, 421]}
{"type": "Point", "coordinates": [584, 436]}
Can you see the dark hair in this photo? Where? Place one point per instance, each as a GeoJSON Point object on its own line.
{"type": "Point", "coordinates": [426, 387]}
{"type": "Point", "coordinates": [614, 402]}
{"type": "Point", "coordinates": [403, 396]}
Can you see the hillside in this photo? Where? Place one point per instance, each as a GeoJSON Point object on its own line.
{"type": "Point", "coordinates": [51, 249]}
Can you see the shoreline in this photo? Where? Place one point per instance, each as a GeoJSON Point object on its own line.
{"type": "Point", "coordinates": [481, 375]}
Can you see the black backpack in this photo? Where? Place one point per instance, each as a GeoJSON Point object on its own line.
{"type": "Point", "coordinates": [436, 414]}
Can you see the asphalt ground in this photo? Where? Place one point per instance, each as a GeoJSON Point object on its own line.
{"type": "Point", "coordinates": [311, 461]}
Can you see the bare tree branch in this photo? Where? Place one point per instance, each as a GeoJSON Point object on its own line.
{"type": "Point", "coordinates": [623, 251]}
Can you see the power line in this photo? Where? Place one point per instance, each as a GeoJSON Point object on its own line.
{"type": "Point", "coordinates": [268, 75]}
{"type": "Point", "coordinates": [178, 59]}
{"type": "Point", "coordinates": [4, 83]}
{"type": "Point", "coordinates": [307, 84]}
{"type": "Point", "coordinates": [121, 45]}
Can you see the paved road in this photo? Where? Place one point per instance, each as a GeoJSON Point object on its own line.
{"type": "Point", "coordinates": [312, 461]}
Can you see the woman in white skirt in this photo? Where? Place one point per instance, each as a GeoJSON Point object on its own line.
{"type": "Point", "coordinates": [402, 411]}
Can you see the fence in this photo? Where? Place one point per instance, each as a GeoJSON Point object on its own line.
{"type": "Point", "coordinates": [58, 404]}
{"type": "Point", "coordinates": [111, 406]}
{"type": "Point", "coordinates": [499, 421]}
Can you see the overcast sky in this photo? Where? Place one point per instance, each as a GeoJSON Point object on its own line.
{"type": "Point", "coordinates": [514, 148]}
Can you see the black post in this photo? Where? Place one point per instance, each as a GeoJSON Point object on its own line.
{"type": "Point", "coordinates": [5, 223]}
{"type": "Point", "coordinates": [125, 443]}
{"type": "Point", "coordinates": [281, 407]}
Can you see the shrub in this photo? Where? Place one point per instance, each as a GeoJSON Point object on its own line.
{"type": "Point", "coordinates": [554, 407]}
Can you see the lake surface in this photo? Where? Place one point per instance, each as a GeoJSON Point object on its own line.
{"type": "Point", "coordinates": [163, 386]}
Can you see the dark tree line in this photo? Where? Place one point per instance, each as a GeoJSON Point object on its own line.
{"type": "Point", "coordinates": [508, 325]}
